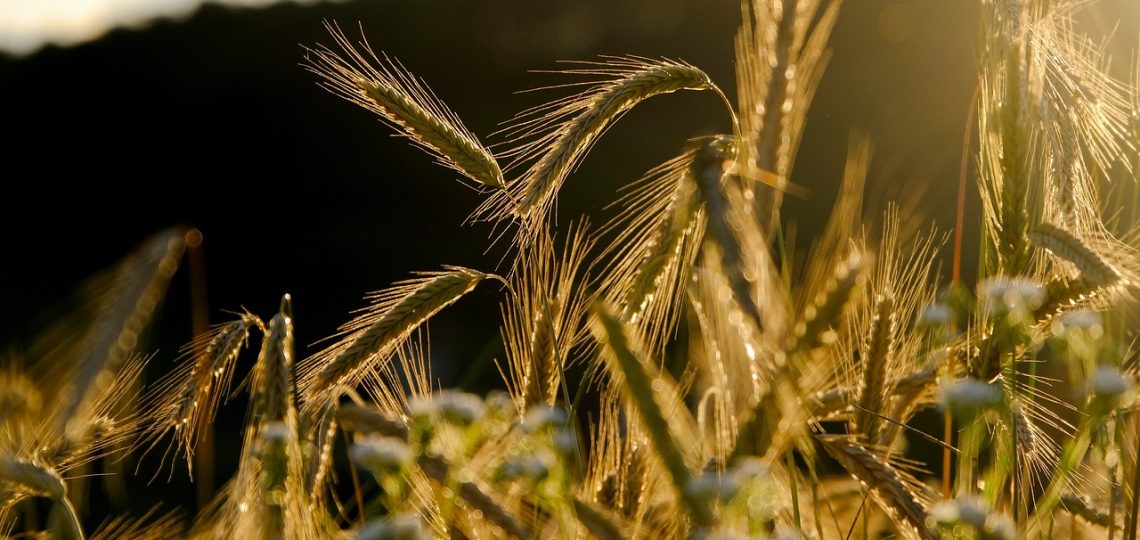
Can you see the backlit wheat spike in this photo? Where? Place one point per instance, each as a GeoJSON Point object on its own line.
{"type": "Point", "coordinates": [145, 527]}
{"type": "Point", "coordinates": [816, 326]}
{"type": "Point", "coordinates": [384, 87]}
{"type": "Point", "coordinates": [136, 287]}
{"type": "Point", "coordinates": [1063, 294]}
{"type": "Point", "coordinates": [113, 425]}
{"type": "Point", "coordinates": [600, 523]}
{"type": "Point", "coordinates": [373, 336]}
{"type": "Point", "coordinates": [1067, 246]}
{"type": "Point", "coordinates": [1080, 506]}
{"type": "Point", "coordinates": [893, 490]}
{"type": "Point", "coordinates": [185, 401]}
{"type": "Point", "coordinates": [552, 139]}
{"type": "Point", "coordinates": [781, 53]}
{"type": "Point", "coordinates": [544, 316]}
{"type": "Point", "coordinates": [657, 235]}
{"type": "Point", "coordinates": [710, 167]}
{"type": "Point", "coordinates": [19, 477]}
{"type": "Point", "coordinates": [844, 223]}
{"type": "Point", "coordinates": [876, 358]}
{"type": "Point", "coordinates": [271, 390]}
{"type": "Point", "coordinates": [625, 366]}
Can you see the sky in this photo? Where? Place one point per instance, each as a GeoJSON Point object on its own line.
{"type": "Point", "coordinates": [27, 25]}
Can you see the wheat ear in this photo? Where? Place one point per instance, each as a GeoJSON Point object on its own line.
{"type": "Point", "coordinates": [27, 477]}
{"type": "Point", "coordinates": [876, 357]}
{"type": "Point", "coordinates": [815, 327]}
{"type": "Point", "coordinates": [625, 365]}
{"type": "Point", "coordinates": [1067, 246]}
{"type": "Point", "coordinates": [371, 337]}
{"type": "Point", "coordinates": [600, 523]}
{"type": "Point", "coordinates": [710, 168]}
{"type": "Point", "coordinates": [139, 283]}
{"type": "Point", "coordinates": [186, 400]}
{"type": "Point", "coordinates": [656, 240]}
{"type": "Point", "coordinates": [554, 138]}
{"type": "Point", "coordinates": [891, 489]}
{"type": "Point", "coordinates": [384, 87]}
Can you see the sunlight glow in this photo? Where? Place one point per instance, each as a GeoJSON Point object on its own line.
{"type": "Point", "coordinates": [27, 25]}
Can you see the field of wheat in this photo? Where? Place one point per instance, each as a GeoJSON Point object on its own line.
{"type": "Point", "coordinates": [679, 371]}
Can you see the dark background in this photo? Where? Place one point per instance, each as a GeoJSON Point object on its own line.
{"type": "Point", "coordinates": [212, 122]}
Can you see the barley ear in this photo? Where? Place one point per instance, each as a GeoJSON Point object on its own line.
{"type": "Point", "coordinates": [623, 364]}
{"type": "Point", "coordinates": [384, 87]}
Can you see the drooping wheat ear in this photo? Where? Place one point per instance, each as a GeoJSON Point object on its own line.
{"type": "Point", "coordinates": [600, 523]}
{"type": "Point", "coordinates": [893, 490]}
{"type": "Point", "coordinates": [816, 326]}
{"type": "Point", "coordinates": [19, 477]}
{"type": "Point", "coordinates": [384, 87]}
{"type": "Point", "coordinates": [624, 365]}
{"type": "Point", "coordinates": [371, 338]}
{"type": "Point", "coordinates": [656, 238]}
{"type": "Point", "coordinates": [876, 357]}
{"type": "Point", "coordinates": [1067, 246]}
{"type": "Point", "coordinates": [1080, 506]}
{"type": "Point", "coordinates": [134, 291]}
{"type": "Point", "coordinates": [186, 400]}
{"type": "Point", "coordinates": [1063, 294]}
{"type": "Point", "coordinates": [552, 139]}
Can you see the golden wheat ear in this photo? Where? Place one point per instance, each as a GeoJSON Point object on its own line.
{"type": "Point", "coordinates": [185, 401]}
{"type": "Point", "coordinates": [897, 493]}
{"type": "Point", "coordinates": [379, 331]}
{"type": "Point", "coordinates": [76, 366]}
{"type": "Point", "coordinates": [623, 360]}
{"type": "Point", "coordinates": [544, 317]}
{"type": "Point", "coordinates": [384, 87]}
{"type": "Point", "coordinates": [551, 140]}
